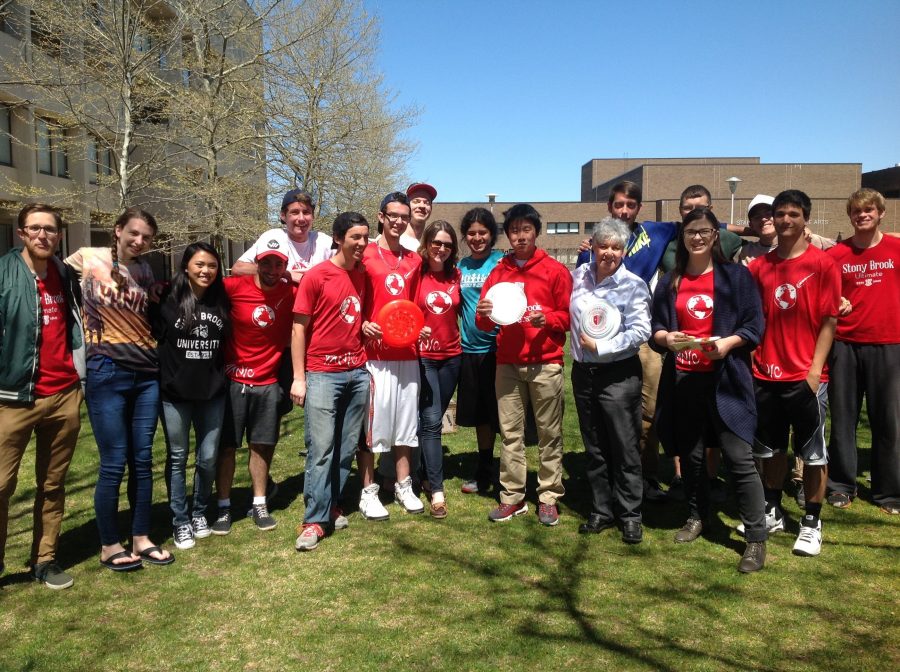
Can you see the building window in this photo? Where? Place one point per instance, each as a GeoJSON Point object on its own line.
{"type": "Point", "coordinates": [5, 135]}
{"type": "Point", "coordinates": [44, 36]}
{"type": "Point", "coordinates": [108, 162]}
{"type": "Point", "coordinates": [52, 154]}
{"type": "Point", "coordinates": [93, 153]}
{"type": "Point", "coordinates": [562, 227]}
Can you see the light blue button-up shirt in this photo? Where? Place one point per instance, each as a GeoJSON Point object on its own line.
{"type": "Point", "coordinates": [627, 292]}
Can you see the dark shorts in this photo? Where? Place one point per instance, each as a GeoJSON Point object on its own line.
{"type": "Point", "coordinates": [783, 406]}
{"type": "Point", "coordinates": [476, 396]}
{"type": "Point", "coordinates": [254, 409]}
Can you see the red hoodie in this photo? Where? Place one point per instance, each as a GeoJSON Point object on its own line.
{"type": "Point", "coordinates": [547, 285]}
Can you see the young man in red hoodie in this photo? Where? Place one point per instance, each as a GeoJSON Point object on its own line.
{"type": "Point", "coordinates": [529, 365]}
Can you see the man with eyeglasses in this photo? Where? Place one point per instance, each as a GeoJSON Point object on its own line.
{"type": "Point", "coordinates": [392, 272]}
{"type": "Point", "coordinates": [41, 369]}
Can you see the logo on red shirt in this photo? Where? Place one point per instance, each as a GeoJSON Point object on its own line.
{"type": "Point", "coordinates": [394, 283]}
{"type": "Point", "coordinates": [263, 316]}
{"type": "Point", "coordinates": [438, 302]}
{"type": "Point", "coordinates": [350, 309]}
{"type": "Point", "coordinates": [786, 294]}
{"type": "Point", "coordinates": [700, 306]}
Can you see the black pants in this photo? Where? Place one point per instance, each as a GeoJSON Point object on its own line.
{"type": "Point", "coordinates": [697, 425]}
{"type": "Point", "coordinates": [608, 401]}
{"type": "Point", "coordinates": [873, 371]}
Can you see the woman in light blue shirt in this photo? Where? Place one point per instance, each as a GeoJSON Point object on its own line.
{"type": "Point", "coordinates": [476, 404]}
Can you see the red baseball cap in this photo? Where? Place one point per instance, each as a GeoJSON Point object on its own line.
{"type": "Point", "coordinates": [421, 186]}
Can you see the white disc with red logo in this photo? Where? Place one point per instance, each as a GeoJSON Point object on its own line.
{"type": "Point", "coordinates": [601, 320]}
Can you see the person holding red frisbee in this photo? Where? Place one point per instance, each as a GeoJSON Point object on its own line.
{"type": "Point", "coordinates": [391, 273]}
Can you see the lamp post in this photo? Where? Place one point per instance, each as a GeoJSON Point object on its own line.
{"type": "Point", "coordinates": [732, 186]}
{"type": "Point", "coordinates": [491, 199]}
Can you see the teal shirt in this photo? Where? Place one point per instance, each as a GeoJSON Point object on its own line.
{"type": "Point", "coordinates": [474, 273]}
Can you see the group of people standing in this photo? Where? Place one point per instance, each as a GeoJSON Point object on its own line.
{"type": "Point", "coordinates": [712, 357]}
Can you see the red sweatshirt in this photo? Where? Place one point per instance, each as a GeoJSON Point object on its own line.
{"type": "Point", "coordinates": [548, 286]}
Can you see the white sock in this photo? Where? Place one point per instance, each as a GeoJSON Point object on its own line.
{"type": "Point", "coordinates": [437, 497]}
{"type": "Point", "coordinates": [259, 500]}
{"type": "Point", "coordinates": [225, 503]}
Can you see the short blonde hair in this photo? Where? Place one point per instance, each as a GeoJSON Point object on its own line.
{"type": "Point", "coordinates": [863, 197]}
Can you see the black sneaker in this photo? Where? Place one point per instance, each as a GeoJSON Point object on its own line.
{"type": "Point", "coordinates": [262, 518]}
{"type": "Point", "coordinates": [222, 526]}
{"type": "Point", "coordinates": [50, 574]}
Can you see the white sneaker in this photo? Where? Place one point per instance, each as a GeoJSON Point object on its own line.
{"type": "Point", "coordinates": [774, 522]}
{"type": "Point", "coordinates": [405, 497]}
{"type": "Point", "coordinates": [184, 537]}
{"type": "Point", "coordinates": [200, 527]}
{"type": "Point", "coordinates": [370, 506]}
{"type": "Point", "coordinates": [809, 541]}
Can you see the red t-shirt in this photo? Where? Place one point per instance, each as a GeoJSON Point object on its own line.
{"type": "Point", "coordinates": [870, 280]}
{"type": "Point", "coordinates": [333, 298]}
{"type": "Point", "coordinates": [694, 312]}
{"type": "Point", "coordinates": [797, 296]}
{"type": "Point", "coordinates": [389, 277]}
{"type": "Point", "coordinates": [56, 370]}
{"type": "Point", "coordinates": [260, 329]}
{"type": "Point", "coordinates": [440, 300]}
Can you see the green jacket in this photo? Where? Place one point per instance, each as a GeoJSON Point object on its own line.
{"type": "Point", "coordinates": [20, 326]}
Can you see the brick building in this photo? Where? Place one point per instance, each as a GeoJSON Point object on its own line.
{"type": "Point", "coordinates": [662, 181]}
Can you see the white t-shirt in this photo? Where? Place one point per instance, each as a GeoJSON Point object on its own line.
{"type": "Point", "coordinates": [301, 256]}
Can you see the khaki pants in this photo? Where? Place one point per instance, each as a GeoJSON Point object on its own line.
{"type": "Point", "coordinates": [540, 385]}
{"type": "Point", "coordinates": [55, 422]}
{"type": "Point", "coordinates": [651, 366]}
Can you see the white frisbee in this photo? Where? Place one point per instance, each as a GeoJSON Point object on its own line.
{"type": "Point", "coordinates": [601, 320]}
{"type": "Point", "coordinates": [509, 303]}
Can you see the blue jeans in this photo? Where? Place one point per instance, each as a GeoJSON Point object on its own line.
{"type": "Point", "coordinates": [123, 407]}
{"type": "Point", "coordinates": [177, 418]}
{"type": "Point", "coordinates": [336, 404]}
{"type": "Point", "coordinates": [438, 378]}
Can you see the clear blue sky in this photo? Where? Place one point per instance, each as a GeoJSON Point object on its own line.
{"type": "Point", "coordinates": [517, 95]}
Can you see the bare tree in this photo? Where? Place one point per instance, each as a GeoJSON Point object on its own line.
{"type": "Point", "coordinates": [94, 66]}
{"type": "Point", "coordinates": [334, 127]}
{"type": "Point", "coordinates": [202, 107]}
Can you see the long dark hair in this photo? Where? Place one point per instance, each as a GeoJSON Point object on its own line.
{"type": "Point", "coordinates": [429, 234]}
{"type": "Point", "coordinates": [681, 252]}
{"type": "Point", "coordinates": [183, 295]}
{"type": "Point", "coordinates": [121, 221]}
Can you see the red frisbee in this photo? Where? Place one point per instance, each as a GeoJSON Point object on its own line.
{"type": "Point", "coordinates": [400, 321]}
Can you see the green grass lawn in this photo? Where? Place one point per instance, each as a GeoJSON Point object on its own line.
{"type": "Point", "coordinates": [414, 593]}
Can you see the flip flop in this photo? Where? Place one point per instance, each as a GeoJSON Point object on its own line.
{"type": "Point", "coordinates": [121, 566]}
{"type": "Point", "coordinates": [145, 554]}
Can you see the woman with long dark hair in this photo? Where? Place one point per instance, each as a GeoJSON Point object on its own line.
{"type": "Point", "coordinates": [439, 349]}
{"type": "Point", "coordinates": [708, 318]}
{"type": "Point", "coordinates": [189, 325]}
{"type": "Point", "coordinates": [122, 390]}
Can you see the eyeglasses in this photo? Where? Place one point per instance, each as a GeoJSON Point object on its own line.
{"type": "Point", "coordinates": [704, 234]}
{"type": "Point", "coordinates": [396, 218]}
{"type": "Point", "coordinates": [438, 244]}
{"type": "Point", "coordinates": [34, 230]}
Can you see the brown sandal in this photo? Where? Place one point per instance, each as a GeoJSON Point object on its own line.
{"type": "Point", "coordinates": [439, 510]}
